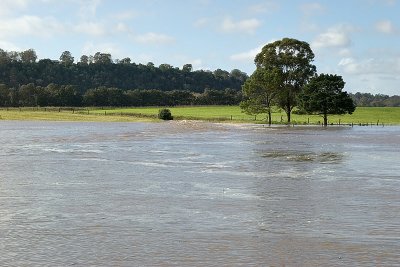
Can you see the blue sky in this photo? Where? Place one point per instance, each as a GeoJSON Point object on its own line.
{"type": "Point", "coordinates": [357, 39]}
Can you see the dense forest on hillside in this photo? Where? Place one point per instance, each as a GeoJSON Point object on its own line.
{"type": "Point", "coordinates": [18, 68]}
{"type": "Point", "coordinates": [98, 80]}
{"type": "Point", "coordinates": [378, 100]}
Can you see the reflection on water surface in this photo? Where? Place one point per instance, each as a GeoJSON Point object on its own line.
{"type": "Point", "coordinates": [198, 194]}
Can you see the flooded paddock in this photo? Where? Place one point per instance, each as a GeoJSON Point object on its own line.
{"type": "Point", "coordinates": [198, 194]}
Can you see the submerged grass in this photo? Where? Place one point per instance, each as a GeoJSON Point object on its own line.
{"type": "Point", "coordinates": [362, 115]}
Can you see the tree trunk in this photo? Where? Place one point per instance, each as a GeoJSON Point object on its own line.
{"type": "Point", "coordinates": [288, 110]}
{"type": "Point", "coordinates": [325, 119]}
{"type": "Point", "coordinates": [269, 118]}
{"type": "Point", "coordinates": [288, 116]}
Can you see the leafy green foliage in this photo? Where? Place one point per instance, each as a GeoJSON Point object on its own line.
{"type": "Point", "coordinates": [378, 100]}
{"type": "Point", "coordinates": [323, 95]}
{"type": "Point", "coordinates": [98, 80]}
{"type": "Point", "coordinates": [260, 91]}
{"type": "Point", "coordinates": [17, 68]}
{"type": "Point", "coordinates": [291, 60]}
{"type": "Point", "coordinates": [30, 95]}
{"type": "Point", "coordinates": [165, 114]}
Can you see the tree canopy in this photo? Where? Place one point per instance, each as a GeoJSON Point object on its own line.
{"type": "Point", "coordinates": [259, 92]}
{"type": "Point", "coordinates": [291, 60]}
{"type": "Point", "coordinates": [323, 95]}
{"type": "Point", "coordinates": [286, 77]}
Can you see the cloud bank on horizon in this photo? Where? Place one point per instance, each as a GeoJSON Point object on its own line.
{"type": "Point", "coordinates": [358, 39]}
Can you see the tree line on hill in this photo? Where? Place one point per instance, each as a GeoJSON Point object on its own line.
{"type": "Point", "coordinates": [22, 68]}
{"type": "Point", "coordinates": [99, 80]}
{"type": "Point", "coordinates": [378, 100]}
{"type": "Point", "coordinates": [30, 95]}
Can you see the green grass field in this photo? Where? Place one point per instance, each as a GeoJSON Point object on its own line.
{"type": "Point", "coordinates": [362, 115]}
{"type": "Point", "coordinates": [56, 114]}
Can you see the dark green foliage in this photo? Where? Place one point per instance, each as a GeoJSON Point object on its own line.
{"type": "Point", "coordinates": [219, 97]}
{"type": "Point", "coordinates": [165, 114]}
{"type": "Point", "coordinates": [323, 95]}
{"type": "Point", "coordinates": [378, 100]}
{"type": "Point", "coordinates": [68, 96]}
{"type": "Point", "coordinates": [99, 80]}
{"type": "Point", "coordinates": [260, 92]}
{"type": "Point", "coordinates": [17, 68]}
{"type": "Point", "coordinates": [291, 60]}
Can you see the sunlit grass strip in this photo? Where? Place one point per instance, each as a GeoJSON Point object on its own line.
{"type": "Point", "coordinates": [56, 114]}
{"type": "Point", "coordinates": [362, 115]}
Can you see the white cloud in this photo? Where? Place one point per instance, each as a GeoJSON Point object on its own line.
{"type": "Point", "coordinates": [202, 22]}
{"type": "Point", "coordinates": [248, 26]}
{"type": "Point", "coordinates": [30, 25]}
{"type": "Point", "coordinates": [310, 9]}
{"type": "Point", "coordinates": [228, 25]}
{"type": "Point", "coordinates": [247, 56]}
{"type": "Point", "coordinates": [350, 65]}
{"type": "Point", "coordinates": [122, 27]}
{"type": "Point", "coordinates": [8, 6]}
{"type": "Point", "coordinates": [264, 7]}
{"type": "Point", "coordinates": [204, 2]}
{"type": "Point", "coordinates": [125, 15]}
{"type": "Point", "coordinates": [370, 66]}
{"type": "Point", "coordinates": [384, 2]}
{"type": "Point", "coordinates": [198, 64]}
{"type": "Point", "coordinates": [385, 26]}
{"type": "Point", "coordinates": [373, 75]}
{"type": "Point", "coordinates": [90, 28]}
{"type": "Point", "coordinates": [90, 48]}
{"type": "Point", "coordinates": [144, 58]}
{"type": "Point", "coordinates": [333, 37]}
{"type": "Point", "coordinates": [181, 59]}
{"type": "Point", "coordinates": [345, 52]}
{"type": "Point", "coordinates": [154, 38]}
{"type": "Point", "coordinates": [88, 8]}
{"type": "Point", "coordinates": [391, 2]}
{"type": "Point", "coordinates": [7, 46]}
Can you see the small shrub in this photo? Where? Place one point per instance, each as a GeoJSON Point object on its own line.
{"type": "Point", "coordinates": [165, 114]}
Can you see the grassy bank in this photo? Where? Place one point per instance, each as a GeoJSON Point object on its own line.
{"type": "Point", "coordinates": [363, 115]}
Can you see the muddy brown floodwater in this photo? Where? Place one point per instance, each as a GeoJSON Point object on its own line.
{"type": "Point", "coordinates": [198, 194]}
